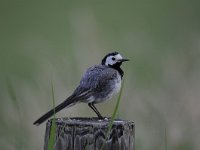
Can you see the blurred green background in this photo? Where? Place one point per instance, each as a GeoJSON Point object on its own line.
{"type": "Point", "coordinates": [55, 41]}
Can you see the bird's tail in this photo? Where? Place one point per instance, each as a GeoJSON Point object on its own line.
{"type": "Point", "coordinates": [67, 103]}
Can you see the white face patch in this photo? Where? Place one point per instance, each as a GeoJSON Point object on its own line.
{"type": "Point", "coordinates": [111, 60]}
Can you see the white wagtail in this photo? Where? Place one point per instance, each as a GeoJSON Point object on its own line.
{"type": "Point", "coordinates": [99, 83]}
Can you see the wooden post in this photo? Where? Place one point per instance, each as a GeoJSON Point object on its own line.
{"type": "Point", "coordinates": [90, 134]}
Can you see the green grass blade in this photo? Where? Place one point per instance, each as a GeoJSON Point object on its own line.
{"type": "Point", "coordinates": [52, 138]}
{"type": "Point", "coordinates": [115, 111]}
{"type": "Point", "coordinates": [114, 114]}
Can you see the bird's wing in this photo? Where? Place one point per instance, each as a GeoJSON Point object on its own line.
{"type": "Point", "coordinates": [97, 77]}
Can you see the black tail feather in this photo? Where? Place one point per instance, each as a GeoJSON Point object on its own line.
{"type": "Point", "coordinates": [70, 101]}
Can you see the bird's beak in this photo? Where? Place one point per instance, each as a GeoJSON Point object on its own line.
{"type": "Point", "coordinates": [122, 60]}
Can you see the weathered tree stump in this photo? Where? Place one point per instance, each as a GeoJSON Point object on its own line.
{"type": "Point", "coordinates": [90, 134]}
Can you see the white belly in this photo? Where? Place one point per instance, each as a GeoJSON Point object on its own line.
{"type": "Point", "coordinates": [117, 86]}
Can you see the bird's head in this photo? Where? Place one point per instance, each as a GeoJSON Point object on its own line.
{"type": "Point", "coordinates": [113, 59]}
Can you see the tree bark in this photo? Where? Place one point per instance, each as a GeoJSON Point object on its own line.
{"type": "Point", "coordinates": [90, 134]}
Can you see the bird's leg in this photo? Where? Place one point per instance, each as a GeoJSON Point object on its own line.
{"type": "Point", "coordinates": [91, 105]}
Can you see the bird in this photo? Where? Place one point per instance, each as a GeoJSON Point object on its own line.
{"type": "Point", "coordinates": [98, 84]}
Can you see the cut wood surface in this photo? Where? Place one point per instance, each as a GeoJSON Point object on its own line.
{"type": "Point", "coordinates": [90, 134]}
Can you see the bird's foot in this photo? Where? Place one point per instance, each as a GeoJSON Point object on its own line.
{"type": "Point", "coordinates": [103, 118]}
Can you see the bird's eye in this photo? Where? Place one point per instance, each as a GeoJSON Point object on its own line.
{"type": "Point", "coordinates": [113, 58]}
